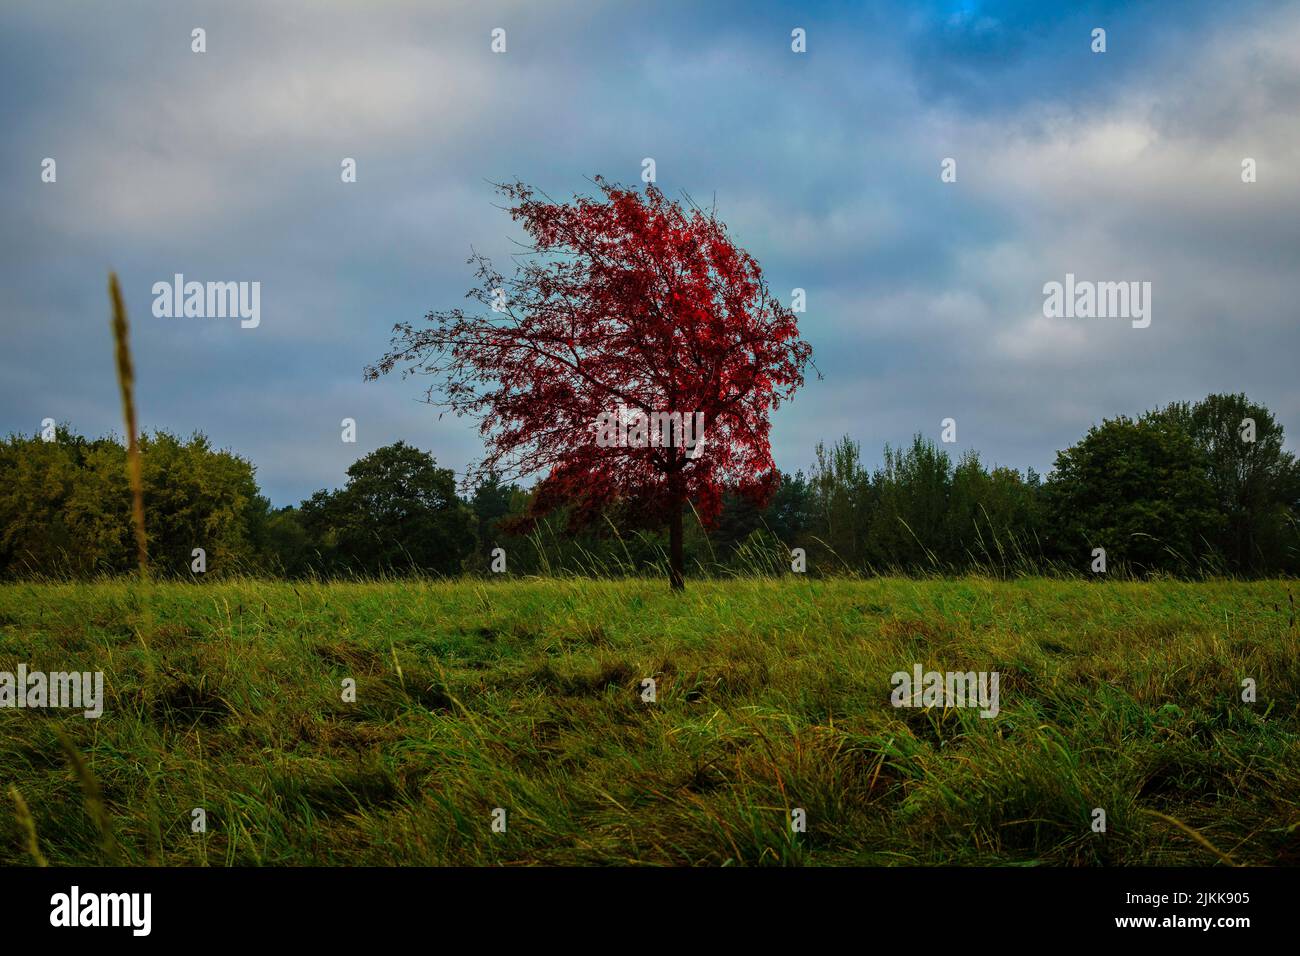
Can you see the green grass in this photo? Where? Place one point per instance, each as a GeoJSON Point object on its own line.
{"type": "Point", "coordinates": [772, 695]}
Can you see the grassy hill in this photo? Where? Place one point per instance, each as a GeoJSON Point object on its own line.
{"type": "Point", "coordinates": [771, 695]}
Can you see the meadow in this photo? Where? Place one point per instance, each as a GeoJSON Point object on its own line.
{"type": "Point", "coordinates": [771, 694]}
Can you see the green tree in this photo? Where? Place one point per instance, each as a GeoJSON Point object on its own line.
{"type": "Point", "coordinates": [840, 502]}
{"type": "Point", "coordinates": [1138, 489]}
{"type": "Point", "coordinates": [197, 497]}
{"type": "Point", "coordinates": [65, 505]}
{"type": "Point", "coordinates": [992, 517]}
{"type": "Point", "coordinates": [1256, 482]}
{"type": "Point", "coordinates": [36, 480]}
{"type": "Point", "coordinates": [910, 526]}
{"type": "Point", "coordinates": [398, 512]}
{"type": "Point", "coordinates": [285, 545]}
{"type": "Point", "coordinates": [490, 503]}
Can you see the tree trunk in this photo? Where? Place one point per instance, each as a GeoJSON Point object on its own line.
{"type": "Point", "coordinates": [676, 578]}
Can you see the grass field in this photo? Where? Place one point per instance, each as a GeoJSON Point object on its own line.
{"type": "Point", "coordinates": [771, 695]}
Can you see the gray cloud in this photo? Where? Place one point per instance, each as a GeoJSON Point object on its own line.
{"type": "Point", "coordinates": [924, 298]}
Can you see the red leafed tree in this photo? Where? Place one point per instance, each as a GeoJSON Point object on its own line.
{"type": "Point", "coordinates": [626, 304]}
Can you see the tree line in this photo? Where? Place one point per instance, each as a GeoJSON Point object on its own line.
{"type": "Point", "coordinates": [1192, 489]}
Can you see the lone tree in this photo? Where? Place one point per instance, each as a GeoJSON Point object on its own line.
{"type": "Point", "coordinates": [631, 328]}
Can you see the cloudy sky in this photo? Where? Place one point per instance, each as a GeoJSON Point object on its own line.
{"type": "Point", "coordinates": [925, 298]}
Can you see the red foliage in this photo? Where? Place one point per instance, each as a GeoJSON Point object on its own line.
{"type": "Point", "coordinates": [627, 299]}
